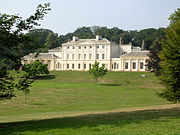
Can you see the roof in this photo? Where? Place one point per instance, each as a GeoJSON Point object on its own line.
{"type": "Point", "coordinates": [57, 49]}
{"type": "Point", "coordinates": [136, 54]}
{"type": "Point", "coordinates": [88, 41]}
{"type": "Point", "coordinates": [41, 55]}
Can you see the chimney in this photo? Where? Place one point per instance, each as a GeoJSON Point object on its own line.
{"type": "Point", "coordinates": [120, 41]}
{"type": "Point", "coordinates": [143, 45]}
{"type": "Point", "coordinates": [98, 37]}
{"type": "Point", "coordinates": [75, 38]}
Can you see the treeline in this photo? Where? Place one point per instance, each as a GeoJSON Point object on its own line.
{"type": "Point", "coordinates": [45, 39]}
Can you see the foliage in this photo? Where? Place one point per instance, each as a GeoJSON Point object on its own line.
{"type": "Point", "coordinates": [170, 56]}
{"type": "Point", "coordinates": [35, 69]}
{"type": "Point", "coordinates": [154, 60]}
{"type": "Point", "coordinates": [97, 71]}
{"type": "Point", "coordinates": [23, 85]}
{"type": "Point", "coordinates": [13, 43]}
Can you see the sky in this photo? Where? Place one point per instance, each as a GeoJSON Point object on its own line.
{"type": "Point", "coordinates": [68, 15]}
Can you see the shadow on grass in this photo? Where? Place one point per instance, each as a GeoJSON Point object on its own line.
{"type": "Point", "coordinates": [46, 77]}
{"type": "Point", "coordinates": [110, 84]}
{"type": "Point", "coordinates": [119, 119]}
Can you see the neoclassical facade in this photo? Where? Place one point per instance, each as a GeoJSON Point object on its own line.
{"type": "Point", "coordinates": [80, 55]}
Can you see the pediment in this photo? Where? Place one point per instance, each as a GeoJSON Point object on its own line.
{"type": "Point", "coordinates": [87, 42]}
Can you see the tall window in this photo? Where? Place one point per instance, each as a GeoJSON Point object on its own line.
{"type": "Point", "coordinates": [84, 56]}
{"type": "Point", "coordinates": [90, 46]}
{"type": "Point", "coordinates": [73, 56]}
{"type": "Point", "coordinates": [97, 56]}
{"type": "Point", "coordinates": [84, 66]}
{"type": "Point", "coordinates": [72, 66]}
{"type": "Point", "coordinates": [89, 66]}
{"type": "Point", "coordinates": [67, 66]}
{"type": "Point", "coordinates": [141, 65]}
{"type": "Point", "coordinates": [68, 47]}
{"type": "Point", "coordinates": [84, 47]}
{"type": "Point", "coordinates": [79, 66]}
{"type": "Point", "coordinates": [103, 47]}
{"type": "Point", "coordinates": [102, 56]}
{"type": "Point", "coordinates": [67, 56]}
{"type": "Point", "coordinates": [79, 47]}
{"type": "Point", "coordinates": [79, 56]}
{"type": "Point", "coordinates": [126, 65]}
{"type": "Point", "coordinates": [90, 55]}
{"type": "Point", "coordinates": [134, 65]}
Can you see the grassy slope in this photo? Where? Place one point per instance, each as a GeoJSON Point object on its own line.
{"type": "Point", "coordinates": [67, 93]}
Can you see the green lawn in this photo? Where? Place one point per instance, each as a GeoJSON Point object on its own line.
{"type": "Point", "coordinates": [62, 97]}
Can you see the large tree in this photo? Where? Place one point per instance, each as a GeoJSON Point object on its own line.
{"type": "Point", "coordinates": [170, 60]}
{"type": "Point", "coordinates": [12, 43]}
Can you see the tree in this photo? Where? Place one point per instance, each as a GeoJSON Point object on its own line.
{"type": "Point", "coordinates": [35, 69]}
{"type": "Point", "coordinates": [97, 71]}
{"type": "Point", "coordinates": [12, 43]}
{"type": "Point", "coordinates": [170, 60]}
{"type": "Point", "coordinates": [154, 60]}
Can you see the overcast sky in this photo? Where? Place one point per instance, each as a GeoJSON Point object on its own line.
{"type": "Point", "coordinates": [67, 15]}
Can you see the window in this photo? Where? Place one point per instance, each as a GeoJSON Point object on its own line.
{"type": "Point", "coordinates": [84, 56]}
{"type": "Point", "coordinates": [84, 66]}
{"type": "Point", "coordinates": [102, 56]}
{"type": "Point", "coordinates": [84, 47]}
{"type": "Point", "coordinates": [90, 55]}
{"type": "Point", "coordinates": [79, 56]}
{"type": "Point", "coordinates": [67, 56]}
{"type": "Point", "coordinates": [90, 46]}
{"type": "Point", "coordinates": [97, 56]}
{"type": "Point", "coordinates": [103, 47]}
{"type": "Point", "coordinates": [72, 66]}
{"type": "Point", "coordinates": [67, 66]}
{"type": "Point", "coordinates": [68, 47]}
{"type": "Point", "coordinates": [126, 65]}
{"type": "Point", "coordinates": [79, 66]}
{"type": "Point", "coordinates": [97, 46]}
{"type": "Point", "coordinates": [112, 66]}
{"type": "Point", "coordinates": [141, 65]}
{"type": "Point", "coordinates": [73, 56]}
{"type": "Point", "coordinates": [134, 65]}
{"type": "Point", "coordinates": [89, 66]}
{"type": "Point", "coordinates": [79, 47]}
{"type": "Point", "coordinates": [73, 47]}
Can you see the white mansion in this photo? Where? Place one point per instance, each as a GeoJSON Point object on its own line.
{"type": "Point", "coordinates": [80, 55]}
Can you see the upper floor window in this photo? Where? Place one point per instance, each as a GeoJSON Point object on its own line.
{"type": "Point", "coordinates": [67, 56]}
{"type": "Point", "coordinates": [73, 47]}
{"type": "Point", "coordinates": [90, 46]}
{"type": "Point", "coordinates": [68, 47]}
{"type": "Point", "coordinates": [79, 47]}
{"type": "Point", "coordinates": [79, 56]}
{"type": "Point", "coordinates": [97, 46]}
{"type": "Point", "coordinates": [84, 47]}
{"type": "Point", "coordinates": [103, 47]}
{"type": "Point", "coordinates": [90, 56]}
{"type": "Point", "coordinates": [84, 56]}
{"type": "Point", "coordinates": [73, 56]}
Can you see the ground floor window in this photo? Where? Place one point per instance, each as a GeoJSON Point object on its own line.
{"type": "Point", "coordinates": [126, 65]}
{"type": "Point", "coordinates": [79, 66]}
{"type": "Point", "coordinates": [67, 66]}
{"type": "Point", "coordinates": [72, 66]}
{"type": "Point", "coordinates": [134, 65]}
{"type": "Point", "coordinates": [84, 66]}
{"type": "Point", "coordinates": [141, 65]}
